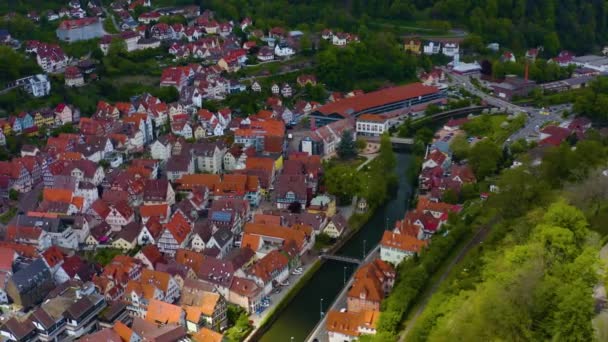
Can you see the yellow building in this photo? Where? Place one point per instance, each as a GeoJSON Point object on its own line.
{"type": "Point", "coordinates": [39, 119]}
{"type": "Point", "coordinates": [413, 45]}
{"type": "Point", "coordinates": [7, 128]}
{"type": "Point", "coordinates": [199, 133]}
{"type": "Point", "coordinates": [278, 163]}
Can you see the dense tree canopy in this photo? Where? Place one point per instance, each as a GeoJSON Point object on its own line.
{"type": "Point", "coordinates": [573, 24]}
{"type": "Point", "coordinates": [14, 65]}
{"type": "Point", "coordinates": [484, 158]}
{"type": "Point", "coordinates": [377, 58]}
{"type": "Point", "coordinates": [346, 148]}
{"type": "Point", "coordinates": [594, 100]}
{"type": "Point", "coordinates": [538, 290]}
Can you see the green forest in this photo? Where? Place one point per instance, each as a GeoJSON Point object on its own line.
{"type": "Point", "coordinates": [533, 277]}
{"type": "Point", "coordinates": [519, 24]}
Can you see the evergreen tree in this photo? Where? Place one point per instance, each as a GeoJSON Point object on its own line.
{"type": "Point", "coordinates": [347, 148]}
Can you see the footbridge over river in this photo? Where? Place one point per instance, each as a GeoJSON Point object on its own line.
{"type": "Point", "coordinates": [341, 258]}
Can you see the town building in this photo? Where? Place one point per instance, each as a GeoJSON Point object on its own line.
{"type": "Point", "coordinates": [395, 247]}
{"type": "Point", "coordinates": [513, 86]}
{"type": "Point", "coordinates": [349, 326]}
{"type": "Point", "coordinates": [413, 96]}
{"type": "Point", "coordinates": [80, 29]}
{"type": "Point", "coordinates": [73, 77]}
{"type": "Point", "coordinates": [371, 125]}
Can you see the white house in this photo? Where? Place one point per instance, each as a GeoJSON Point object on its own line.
{"type": "Point", "coordinates": [431, 48]}
{"type": "Point", "coordinates": [63, 114]}
{"type": "Point", "coordinates": [275, 89]}
{"type": "Point", "coordinates": [395, 247]}
{"type": "Point", "coordinates": [208, 157]}
{"type": "Point", "coordinates": [162, 281]}
{"type": "Point", "coordinates": [38, 85]}
{"type": "Point", "coordinates": [284, 50]}
{"type": "Point", "coordinates": [450, 49]}
{"type": "Point", "coordinates": [255, 86]}
{"type": "Point", "coordinates": [371, 125]}
{"type": "Point", "coordinates": [161, 149]}
{"type": "Point", "coordinates": [120, 215]}
{"type": "Point", "coordinates": [349, 326]}
{"type": "Point", "coordinates": [339, 39]}
{"type": "Point", "coordinates": [182, 129]}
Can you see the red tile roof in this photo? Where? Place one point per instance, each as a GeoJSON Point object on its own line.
{"type": "Point", "coordinates": [159, 210]}
{"type": "Point", "coordinates": [179, 228]}
{"type": "Point", "coordinates": [402, 242]}
{"type": "Point", "coordinates": [53, 256]}
{"type": "Point", "coordinates": [377, 98]}
{"type": "Point", "coordinates": [269, 266]}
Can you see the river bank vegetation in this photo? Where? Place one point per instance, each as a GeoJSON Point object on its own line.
{"type": "Point", "coordinates": [533, 277]}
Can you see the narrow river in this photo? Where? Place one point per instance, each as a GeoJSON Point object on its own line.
{"type": "Point", "coordinates": [301, 315]}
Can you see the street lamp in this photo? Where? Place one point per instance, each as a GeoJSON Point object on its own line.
{"type": "Point", "coordinates": [364, 241]}
{"type": "Point", "coordinates": [344, 275]}
{"type": "Point", "coordinates": [321, 306]}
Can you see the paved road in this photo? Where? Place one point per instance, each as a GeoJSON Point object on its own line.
{"type": "Point", "coordinates": [112, 16]}
{"type": "Point", "coordinates": [276, 298]}
{"type": "Point", "coordinates": [465, 82]}
{"type": "Point", "coordinates": [477, 239]}
{"type": "Point", "coordinates": [537, 117]}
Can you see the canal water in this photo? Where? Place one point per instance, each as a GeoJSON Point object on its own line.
{"type": "Point", "coordinates": [303, 313]}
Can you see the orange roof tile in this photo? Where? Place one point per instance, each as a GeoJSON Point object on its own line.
{"type": "Point", "coordinates": [78, 202]}
{"type": "Point", "coordinates": [232, 184]}
{"type": "Point", "coordinates": [348, 323]}
{"type": "Point", "coordinates": [179, 227]}
{"type": "Point", "coordinates": [251, 241]}
{"type": "Point", "coordinates": [276, 231]}
{"type": "Point", "coordinates": [159, 210]}
{"type": "Point", "coordinates": [123, 331]}
{"type": "Point", "coordinates": [268, 266]}
{"type": "Point", "coordinates": [402, 242]}
{"type": "Point", "coordinates": [123, 107]}
{"type": "Point", "coordinates": [27, 251]}
{"type": "Point", "coordinates": [425, 204]}
{"type": "Point", "coordinates": [262, 163]}
{"type": "Point", "coordinates": [197, 180]}
{"type": "Point", "coordinates": [209, 302]}
{"type": "Point", "coordinates": [269, 219]}
{"type": "Point", "coordinates": [189, 258]}
{"type": "Point", "coordinates": [57, 195]}
{"type": "Point", "coordinates": [159, 279]}
{"type": "Point", "coordinates": [207, 335]}
{"type": "Point", "coordinates": [53, 256]}
{"type": "Point", "coordinates": [70, 156]}
{"type": "Point", "coordinates": [193, 313]}
{"type": "Point", "coordinates": [165, 313]}
{"type": "Point", "coordinates": [271, 127]}
{"type": "Point", "coordinates": [143, 290]}
{"type": "Point", "coordinates": [406, 227]}
{"type": "Point", "coordinates": [368, 287]}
